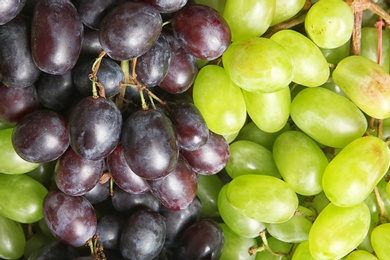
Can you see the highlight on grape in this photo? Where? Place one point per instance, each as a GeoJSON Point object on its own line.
{"type": "Point", "coordinates": [195, 129]}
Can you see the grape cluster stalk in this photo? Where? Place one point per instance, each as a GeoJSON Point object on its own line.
{"type": "Point", "coordinates": [194, 129]}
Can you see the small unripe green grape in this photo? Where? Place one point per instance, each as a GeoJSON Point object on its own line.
{"type": "Point", "coordinates": [240, 17]}
{"type": "Point", "coordinates": [316, 203]}
{"type": "Point", "coordinates": [235, 246]}
{"type": "Point", "coordinates": [269, 111]}
{"type": "Point", "coordinates": [239, 223]}
{"type": "Point", "coordinates": [329, 23]}
{"type": "Point", "coordinates": [12, 239]}
{"type": "Point", "coordinates": [360, 255]}
{"type": "Point", "coordinates": [276, 246]}
{"type": "Point", "coordinates": [258, 65]}
{"type": "Point", "coordinates": [366, 83]}
{"type": "Point", "coordinates": [35, 242]}
{"type": "Point", "coordinates": [380, 240]}
{"type": "Point", "coordinates": [369, 46]}
{"type": "Point", "coordinates": [286, 9]}
{"type": "Point", "coordinates": [327, 117]}
{"type": "Point", "coordinates": [247, 157]}
{"type": "Point", "coordinates": [338, 230]}
{"type": "Point", "coordinates": [335, 55]}
{"type": "Point", "coordinates": [353, 174]}
{"type": "Point", "coordinates": [300, 161]}
{"type": "Point", "coordinates": [311, 67]}
{"type": "Point", "coordinates": [302, 252]}
{"type": "Point", "coordinates": [212, 88]}
{"type": "Point", "coordinates": [263, 198]}
{"type": "Point", "coordinates": [208, 190]}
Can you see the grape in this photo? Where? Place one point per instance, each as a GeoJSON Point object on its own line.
{"type": "Point", "coordinates": [143, 236]}
{"type": "Point", "coordinates": [311, 67]}
{"type": "Point", "coordinates": [94, 127]}
{"type": "Point", "coordinates": [99, 193]}
{"type": "Point", "coordinates": [285, 10]}
{"type": "Point", "coordinates": [178, 189]}
{"type": "Point", "coordinates": [209, 158]}
{"type": "Point", "coordinates": [380, 240]}
{"type": "Point", "coordinates": [129, 30]}
{"type": "Point", "coordinates": [237, 222]}
{"type": "Point", "coordinates": [17, 68]}
{"type": "Point", "coordinates": [208, 190]}
{"type": "Point", "coordinates": [264, 112]}
{"type": "Point", "coordinates": [12, 239]}
{"type": "Point", "coordinates": [202, 31]}
{"type": "Point", "coordinates": [352, 175]}
{"type": "Point", "coordinates": [276, 246]}
{"type": "Point", "coordinates": [35, 242]}
{"type": "Point", "coordinates": [240, 17]}
{"type": "Point", "coordinates": [15, 103]}
{"type": "Point", "coordinates": [56, 36]}
{"type": "Point", "coordinates": [236, 247]}
{"type": "Point", "coordinates": [248, 64]}
{"type": "Point", "coordinates": [149, 144]}
{"type": "Point", "coordinates": [369, 46]}
{"type": "Point", "coordinates": [262, 197]}
{"type": "Point", "coordinates": [167, 6]}
{"type": "Point", "coordinates": [360, 255]}
{"type": "Point", "coordinates": [122, 174]}
{"type": "Point", "coordinates": [91, 47]}
{"type": "Point", "coordinates": [329, 23]}
{"type": "Point", "coordinates": [338, 230]}
{"type": "Point", "coordinates": [335, 55]}
{"type": "Point", "coordinates": [75, 175]}
{"type": "Point", "coordinates": [10, 9]}
{"type": "Point", "coordinates": [247, 157]}
{"type": "Point", "coordinates": [71, 219]}
{"type": "Point", "coordinates": [41, 136]}
{"type": "Point", "coordinates": [300, 161]}
{"type": "Point", "coordinates": [91, 13]}
{"type": "Point", "coordinates": [55, 250]}
{"type": "Point", "coordinates": [302, 252]}
{"type": "Point", "coordinates": [21, 198]}
{"type": "Point", "coordinates": [109, 229]}
{"type": "Point", "coordinates": [221, 117]}
{"type": "Point", "coordinates": [364, 81]}
{"type": "Point", "coordinates": [128, 203]}
{"type": "Point", "coordinates": [218, 5]}
{"type": "Point", "coordinates": [43, 173]}
{"type": "Point", "coordinates": [335, 123]}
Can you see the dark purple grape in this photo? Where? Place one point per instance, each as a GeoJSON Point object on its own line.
{"type": "Point", "coordinates": [110, 75]}
{"type": "Point", "coordinates": [92, 12]}
{"type": "Point", "coordinates": [94, 127]}
{"type": "Point", "coordinates": [109, 229]}
{"type": "Point", "coordinates": [15, 103]}
{"type": "Point", "coordinates": [41, 136]}
{"type": "Point", "coordinates": [75, 175]}
{"type": "Point", "coordinates": [178, 220]}
{"type": "Point", "coordinates": [130, 30]}
{"type": "Point", "coordinates": [91, 45]}
{"type": "Point", "coordinates": [56, 36]}
{"type": "Point", "coordinates": [99, 193]}
{"type": "Point", "coordinates": [143, 236]}
{"type": "Point", "coordinates": [152, 67]}
{"type": "Point", "coordinates": [167, 6]}
{"type": "Point", "coordinates": [71, 219]}
{"type": "Point", "coordinates": [56, 91]}
{"type": "Point", "coordinates": [178, 189]}
{"type": "Point", "coordinates": [211, 157]}
{"type": "Point", "coordinates": [122, 175]}
{"type": "Point", "coordinates": [17, 68]}
{"type": "Point", "coordinates": [10, 9]}
{"type": "Point", "coordinates": [202, 240]}
{"type": "Point", "coordinates": [182, 68]}
{"type": "Point", "coordinates": [149, 144]}
{"type": "Point", "coordinates": [202, 31]}
{"type": "Point", "coordinates": [127, 202]}
{"type": "Point", "coordinates": [190, 127]}
{"type": "Point", "coordinates": [55, 250]}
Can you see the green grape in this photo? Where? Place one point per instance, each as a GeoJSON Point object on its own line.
{"type": "Point", "coordinates": [239, 223]}
{"type": "Point", "coordinates": [285, 10]}
{"type": "Point", "coordinates": [380, 240]}
{"type": "Point", "coordinates": [316, 203]}
{"type": "Point", "coordinates": [269, 111]}
{"type": "Point", "coordinates": [258, 65]}
{"type": "Point", "coordinates": [247, 157]}
{"type": "Point", "coordinates": [311, 67]}
{"type": "Point", "coordinates": [369, 46]}
{"type": "Point", "coordinates": [300, 161]}
{"type": "Point", "coordinates": [252, 132]}
{"type": "Point", "coordinates": [331, 85]}
{"type": "Point", "coordinates": [302, 252]}
{"type": "Point", "coordinates": [294, 230]}
{"type": "Point", "coordinates": [338, 230]}
{"type": "Point", "coordinates": [366, 83]}
{"type": "Point", "coordinates": [231, 137]}
{"type": "Point", "coordinates": [353, 174]}
{"type": "Point", "coordinates": [35, 242]}
{"type": "Point", "coordinates": [327, 117]}
{"type": "Point", "coordinates": [12, 239]}
{"type": "Point", "coordinates": [10, 161]}
{"type": "Point", "coordinates": [212, 88]}
{"type": "Point", "coordinates": [209, 187]}
{"type": "Point", "coordinates": [21, 198]}
{"type": "Point", "coordinates": [235, 246]}
{"type": "Point", "coordinates": [329, 23]}
{"type": "Point", "coordinates": [360, 255]}
{"type": "Point", "coordinates": [277, 246]}
{"type": "Point", "coordinates": [335, 55]}
{"type": "Point", "coordinates": [262, 197]}
{"type": "Point", "coordinates": [218, 5]}
{"type": "Point", "coordinates": [387, 189]}
{"type": "Point", "coordinates": [369, 17]}
{"type": "Point", "coordinates": [241, 16]}
{"type": "Point", "coordinates": [44, 173]}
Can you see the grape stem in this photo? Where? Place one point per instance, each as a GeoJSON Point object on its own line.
{"type": "Point", "coordinates": [382, 213]}
{"type": "Point", "coordinates": [265, 246]}
{"type": "Point", "coordinates": [285, 25]}
{"type": "Point", "coordinates": [93, 77]}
